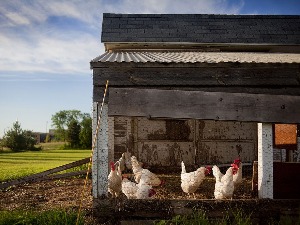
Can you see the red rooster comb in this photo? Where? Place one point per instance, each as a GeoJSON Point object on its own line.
{"type": "Point", "coordinates": [208, 169]}
{"type": "Point", "coordinates": [112, 166]}
{"type": "Point", "coordinates": [237, 161]}
{"type": "Point", "coordinates": [235, 168]}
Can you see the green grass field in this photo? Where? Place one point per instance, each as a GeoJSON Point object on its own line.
{"type": "Point", "coordinates": [20, 164]}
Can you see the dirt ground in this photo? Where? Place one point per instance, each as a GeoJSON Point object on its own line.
{"type": "Point", "coordinates": [67, 193]}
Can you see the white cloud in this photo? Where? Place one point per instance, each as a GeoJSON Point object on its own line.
{"type": "Point", "coordinates": [17, 19]}
{"type": "Point", "coordinates": [49, 55]}
{"type": "Point", "coordinates": [28, 43]}
{"type": "Point", "coordinates": [174, 6]}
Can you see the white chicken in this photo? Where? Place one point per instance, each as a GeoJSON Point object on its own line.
{"type": "Point", "coordinates": [114, 181]}
{"type": "Point", "coordinates": [137, 191]}
{"type": "Point", "coordinates": [129, 188]}
{"type": "Point", "coordinates": [125, 161]}
{"type": "Point", "coordinates": [148, 177]}
{"type": "Point", "coordinates": [238, 177]}
{"type": "Point", "coordinates": [224, 186]}
{"type": "Point", "coordinates": [192, 180]}
{"type": "Point", "coordinates": [217, 173]}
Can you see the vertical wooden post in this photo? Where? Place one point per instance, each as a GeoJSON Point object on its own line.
{"type": "Point", "coordinates": [135, 136]}
{"type": "Point", "coordinates": [95, 152]}
{"type": "Point", "coordinates": [100, 154]}
{"type": "Point", "coordinates": [265, 160]}
{"type": "Point", "coordinates": [102, 150]}
{"type": "Point", "coordinates": [111, 139]}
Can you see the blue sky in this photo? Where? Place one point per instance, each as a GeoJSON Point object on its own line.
{"type": "Point", "coordinates": [46, 47]}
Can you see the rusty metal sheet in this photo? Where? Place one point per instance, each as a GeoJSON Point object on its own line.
{"type": "Point", "coordinates": [286, 136]}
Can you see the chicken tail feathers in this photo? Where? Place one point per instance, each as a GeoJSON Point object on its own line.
{"type": "Point", "coordinates": [183, 170]}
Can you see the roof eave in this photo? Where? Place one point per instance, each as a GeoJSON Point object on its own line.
{"type": "Point", "coordinates": [177, 46]}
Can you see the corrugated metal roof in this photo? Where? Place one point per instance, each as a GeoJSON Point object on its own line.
{"type": "Point", "coordinates": [197, 57]}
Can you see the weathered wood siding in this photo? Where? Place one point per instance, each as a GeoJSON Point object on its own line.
{"type": "Point", "coordinates": [165, 143]}
{"type": "Point", "coordinates": [204, 74]}
{"type": "Point", "coordinates": [223, 141]}
{"type": "Point", "coordinates": [122, 130]}
{"type": "Point", "coordinates": [177, 104]}
{"type": "Point", "coordinates": [256, 78]}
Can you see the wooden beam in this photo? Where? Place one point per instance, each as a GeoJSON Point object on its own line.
{"type": "Point", "coordinates": [295, 91]}
{"type": "Point", "coordinates": [235, 75]}
{"type": "Point", "coordinates": [155, 103]}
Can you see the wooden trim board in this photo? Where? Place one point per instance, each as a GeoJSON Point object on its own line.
{"type": "Point", "coordinates": [177, 104]}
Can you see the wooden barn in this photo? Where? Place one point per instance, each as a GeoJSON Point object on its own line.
{"type": "Point", "coordinates": [203, 89]}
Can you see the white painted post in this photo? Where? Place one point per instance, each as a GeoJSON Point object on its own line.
{"type": "Point", "coordinates": [265, 160]}
{"type": "Point", "coordinates": [100, 154]}
{"type": "Point", "coordinates": [95, 152]}
{"type": "Point", "coordinates": [102, 149]}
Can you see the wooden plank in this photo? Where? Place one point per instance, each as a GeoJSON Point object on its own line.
{"type": "Point", "coordinates": [154, 103]}
{"type": "Point", "coordinates": [198, 76]}
{"type": "Point", "coordinates": [64, 175]}
{"type": "Point", "coordinates": [42, 175]}
{"type": "Point", "coordinates": [98, 90]}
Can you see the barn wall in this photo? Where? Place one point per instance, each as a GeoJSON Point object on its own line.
{"type": "Point", "coordinates": [223, 141]}
{"type": "Point", "coordinates": [122, 136]}
{"type": "Point", "coordinates": [167, 142]}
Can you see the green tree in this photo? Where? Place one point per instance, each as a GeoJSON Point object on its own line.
{"type": "Point", "coordinates": [61, 121]}
{"type": "Point", "coordinates": [64, 120]}
{"type": "Point", "coordinates": [86, 132]}
{"type": "Point", "coordinates": [73, 133]}
{"type": "Point", "coordinates": [30, 140]}
{"type": "Point", "coordinates": [18, 139]}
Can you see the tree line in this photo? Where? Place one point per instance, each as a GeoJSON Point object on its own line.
{"type": "Point", "coordinates": [71, 126]}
